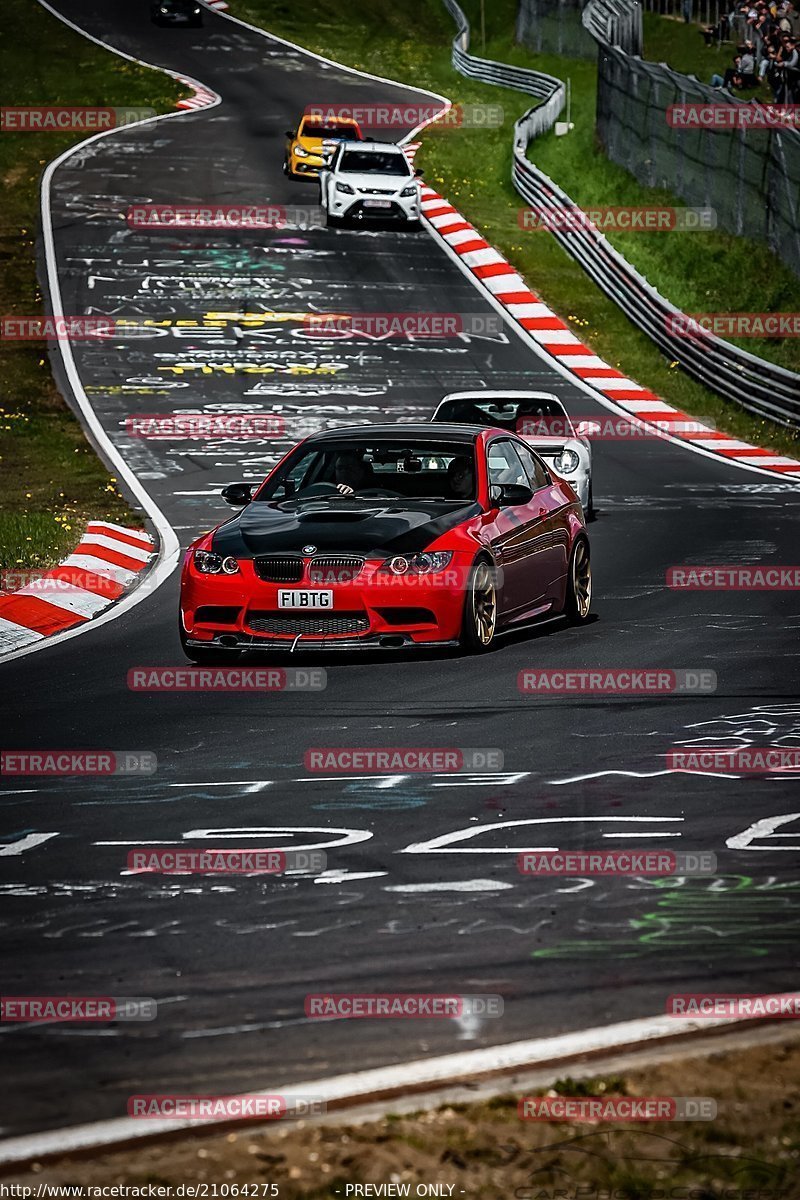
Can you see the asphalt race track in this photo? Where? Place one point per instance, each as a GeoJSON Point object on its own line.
{"type": "Point", "coordinates": [230, 959]}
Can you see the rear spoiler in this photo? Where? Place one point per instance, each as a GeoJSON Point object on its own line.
{"type": "Point", "coordinates": [472, 415]}
{"type": "Point", "coordinates": [545, 449]}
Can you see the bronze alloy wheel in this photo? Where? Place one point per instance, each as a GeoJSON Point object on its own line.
{"type": "Point", "coordinates": [579, 596]}
{"type": "Point", "coordinates": [481, 608]}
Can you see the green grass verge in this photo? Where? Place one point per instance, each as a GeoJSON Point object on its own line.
{"type": "Point", "coordinates": [697, 271]}
{"type": "Point", "coordinates": [52, 481]}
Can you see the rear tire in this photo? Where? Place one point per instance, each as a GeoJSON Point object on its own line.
{"type": "Point", "coordinates": [480, 609]}
{"type": "Point", "coordinates": [579, 583]}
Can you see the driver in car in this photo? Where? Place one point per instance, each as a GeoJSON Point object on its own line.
{"type": "Point", "coordinates": [460, 478]}
{"type": "Point", "coordinates": [351, 473]}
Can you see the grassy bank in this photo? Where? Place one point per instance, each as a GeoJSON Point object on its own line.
{"type": "Point", "coordinates": [52, 481]}
{"type": "Point", "coordinates": [472, 168]}
{"type": "Point", "coordinates": [750, 1151]}
{"type": "Point", "coordinates": [682, 47]}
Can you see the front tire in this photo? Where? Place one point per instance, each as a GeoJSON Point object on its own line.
{"type": "Point", "coordinates": [480, 609]}
{"type": "Point", "coordinates": [579, 584]}
{"type": "Point", "coordinates": [333, 222]}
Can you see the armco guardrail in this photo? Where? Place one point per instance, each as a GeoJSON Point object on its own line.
{"type": "Point", "coordinates": [615, 23]}
{"type": "Point", "coordinates": [749, 175]}
{"type": "Point", "coordinates": [759, 386]}
{"type": "Point", "coordinates": [546, 88]}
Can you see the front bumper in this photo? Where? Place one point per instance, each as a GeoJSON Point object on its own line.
{"type": "Point", "coordinates": [580, 483]}
{"type": "Point", "coordinates": [358, 208]}
{"type": "Point", "coordinates": [374, 610]}
{"type": "Point", "coordinates": [305, 166]}
{"type": "Point", "coordinates": [309, 643]}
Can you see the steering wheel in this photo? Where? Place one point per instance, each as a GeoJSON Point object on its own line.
{"type": "Point", "coordinates": [316, 489]}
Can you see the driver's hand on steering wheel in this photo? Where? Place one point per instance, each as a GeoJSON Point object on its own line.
{"type": "Point", "coordinates": [345, 489]}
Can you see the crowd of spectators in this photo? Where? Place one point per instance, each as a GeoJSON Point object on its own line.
{"type": "Point", "coordinates": [767, 34]}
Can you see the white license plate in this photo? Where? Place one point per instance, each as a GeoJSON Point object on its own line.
{"type": "Point", "coordinates": [299, 598]}
{"type": "Point", "coordinates": [377, 204]}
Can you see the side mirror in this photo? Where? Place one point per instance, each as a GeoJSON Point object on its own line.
{"type": "Point", "coordinates": [507, 495]}
{"type": "Point", "coordinates": [238, 494]}
{"type": "Point", "coordinates": [418, 172]}
{"type": "Point", "coordinates": [291, 133]}
{"type": "Point", "coordinates": [587, 428]}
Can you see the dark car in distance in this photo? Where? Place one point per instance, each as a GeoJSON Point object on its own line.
{"type": "Point", "coordinates": [177, 12]}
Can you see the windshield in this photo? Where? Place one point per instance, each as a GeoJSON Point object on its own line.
{"type": "Point", "coordinates": [342, 133]}
{"type": "Point", "coordinates": [374, 162]}
{"type": "Point", "coordinates": [366, 470]}
{"type": "Point", "coordinates": [530, 416]}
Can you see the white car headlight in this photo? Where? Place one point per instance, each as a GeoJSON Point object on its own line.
{"type": "Point", "coordinates": [409, 191]}
{"type": "Point", "coordinates": [427, 563]}
{"type": "Point", "coordinates": [567, 462]}
{"type": "Point", "coordinates": [300, 152]}
{"type": "Point", "coordinates": [345, 187]}
{"type": "Point", "coordinates": [208, 563]}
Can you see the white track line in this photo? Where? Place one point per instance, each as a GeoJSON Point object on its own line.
{"type": "Point", "coordinates": [169, 546]}
{"type": "Point", "coordinates": [366, 1086]}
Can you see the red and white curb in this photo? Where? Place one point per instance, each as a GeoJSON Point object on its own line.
{"type": "Point", "coordinates": [101, 569]}
{"type": "Point", "coordinates": [219, 5]}
{"type": "Point", "coordinates": [203, 97]}
{"type": "Point", "coordinates": [553, 335]}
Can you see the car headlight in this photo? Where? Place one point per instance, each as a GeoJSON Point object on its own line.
{"type": "Point", "coordinates": [417, 564]}
{"type": "Point", "coordinates": [567, 462]}
{"type": "Point", "coordinates": [409, 191]}
{"type": "Point", "coordinates": [300, 152]}
{"type": "Point", "coordinates": [345, 187]}
{"type": "Point", "coordinates": [214, 564]}
{"type": "Point", "coordinates": [164, 9]}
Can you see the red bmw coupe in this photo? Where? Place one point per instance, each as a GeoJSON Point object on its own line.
{"type": "Point", "coordinates": [387, 536]}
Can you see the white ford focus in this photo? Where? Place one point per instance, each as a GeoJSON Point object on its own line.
{"type": "Point", "coordinates": [369, 181]}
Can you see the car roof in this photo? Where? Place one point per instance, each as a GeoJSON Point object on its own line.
{"type": "Point", "coordinates": [319, 119]}
{"type": "Point", "coordinates": [372, 144]}
{"type": "Point", "coordinates": [421, 432]}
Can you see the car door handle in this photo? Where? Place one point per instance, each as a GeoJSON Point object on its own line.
{"type": "Point", "coordinates": [542, 512]}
